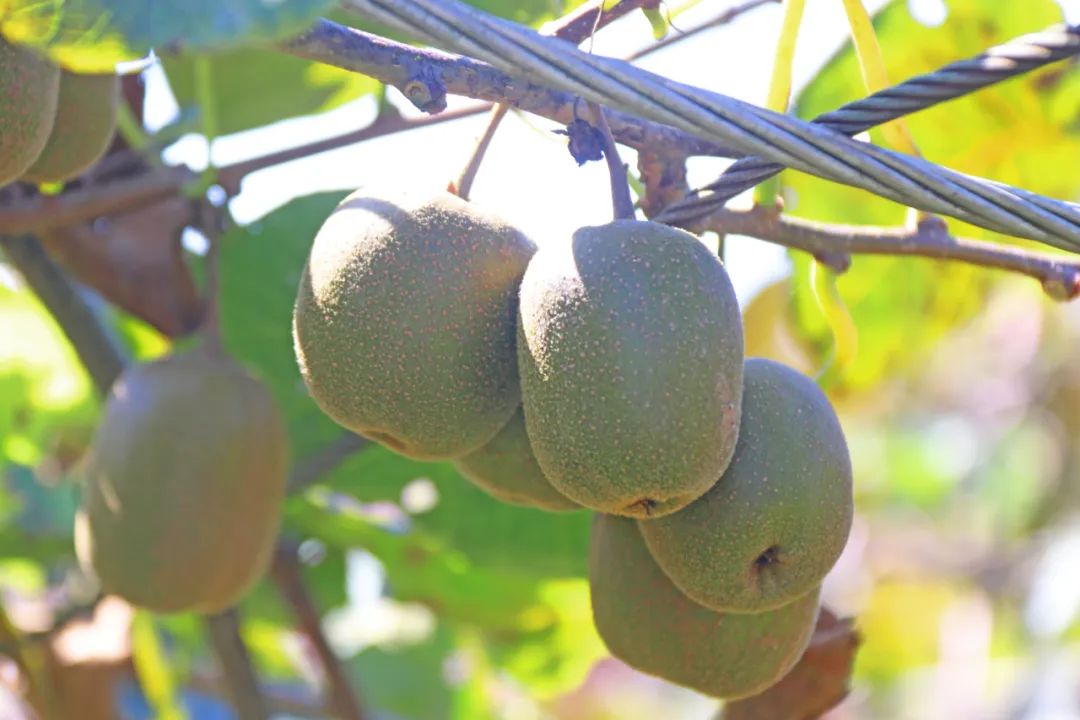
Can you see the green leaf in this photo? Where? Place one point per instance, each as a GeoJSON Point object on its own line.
{"type": "Point", "coordinates": [260, 268]}
{"type": "Point", "coordinates": [420, 567]}
{"type": "Point", "coordinates": [46, 398]}
{"type": "Point", "coordinates": [488, 531]}
{"type": "Point", "coordinates": [1010, 133]}
{"type": "Point", "coordinates": [93, 35]}
{"type": "Point", "coordinates": [408, 681]}
{"type": "Point", "coordinates": [252, 87]}
{"type": "Point", "coordinates": [156, 677]}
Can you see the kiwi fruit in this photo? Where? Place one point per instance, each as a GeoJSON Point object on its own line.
{"type": "Point", "coordinates": [630, 352]}
{"type": "Point", "coordinates": [29, 88]}
{"type": "Point", "coordinates": [649, 624]}
{"type": "Point", "coordinates": [779, 517]}
{"type": "Point", "coordinates": [506, 468]}
{"type": "Point", "coordinates": [184, 483]}
{"type": "Point", "coordinates": [404, 321]}
{"type": "Point", "coordinates": [83, 128]}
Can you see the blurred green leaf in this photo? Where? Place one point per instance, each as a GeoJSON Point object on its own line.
{"type": "Point", "coordinates": [488, 531]}
{"type": "Point", "coordinates": [252, 87]}
{"type": "Point", "coordinates": [93, 35]}
{"type": "Point", "coordinates": [556, 658]}
{"type": "Point", "coordinates": [408, 680]}
{"type": "Point", "coordinates": [156, 676]}
{"type": "Point", "coordinates": [421, 568]}
{"type": "Point", "coordinates": [260, 268]}
{"type": "Point", "coordinates": [1009, 133]}
{"type": "Point", "coordinates": [46, 398]}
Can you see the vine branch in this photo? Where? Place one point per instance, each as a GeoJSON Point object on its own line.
{"type": "Point", "coordinates": [290, 584]}
{"type": "Point", "coordinates": [724, 18]}
{"type": "Point", "coordinates": [1059, 276]}
{"type": "Point", "coordinates": [40, 213]}
{"type": "Point", "coordinates": [398, 65]}
{"type": "Point", "coordinates": [224, 629]}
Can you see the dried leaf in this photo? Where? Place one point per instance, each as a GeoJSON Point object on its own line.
{"type": "Point", "coordinates": [136, 262]}
{"type": "Point", "coordinates": [664, 178]}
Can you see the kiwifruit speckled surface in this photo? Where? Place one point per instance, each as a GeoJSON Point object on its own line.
{"type": "Point", "coordinates": [404, 321]}
{"type": "Point", "coordinates": [29, 86]}
{"type": "Point", "coordinates": [631, 353]}
{"type": "Point", "coordinates": [185, 481]}
{"type": "Point", "coordinates": [507, 469]}
{"type": "Point", "coordinates": [779, 517]}
{"type": "Point", "coordinates": [647, 623]}
{"type": "Point", "coordinates": [84, 126]}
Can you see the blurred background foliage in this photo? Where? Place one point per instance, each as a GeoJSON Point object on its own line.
{"type": "Point", "coordinates": [960, 400]}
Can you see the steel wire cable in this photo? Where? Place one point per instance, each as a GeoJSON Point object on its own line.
{"type": "Point", "coordinates": [780, 138]}
{"type": "Point", "coordinates": [1002, 62]}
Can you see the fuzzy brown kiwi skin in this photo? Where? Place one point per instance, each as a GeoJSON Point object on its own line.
{"type": "Point", "coordinates": [645, 621]}
{"type": "Point", "coordinates": [84, 126]}
{"type": "Point", "coordinates": [630, 353]}
{"type": "Point", "coordinates": [184, 484]}
{"type": "Point", "coordinates": [29, 89]}
{"type": "Point", "coordinates": [778, 518]}
{"type": "Point", "coordinates": [404, 320]}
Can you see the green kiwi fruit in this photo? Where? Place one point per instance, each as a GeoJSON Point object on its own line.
{"type": "Point", "coordinates": [649, 624]}
{"type": "Point", "coordinates": [185, 480]}
{"type": "Point", "coordinates": [506, 468]}
{"type": "Point", "coordinates": [630, 352]}
{"type": "Point", "coordinates": [404, 321]}
{"type": "Point", "coordinates": [29, 88]}
{"type": "Point", "coordinates": [83, 128]}
{"type": "Point", "coordinates": [779, 517]}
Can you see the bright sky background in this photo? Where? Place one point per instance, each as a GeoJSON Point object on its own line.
{"type": "Point", "coordinates": [528, 176]}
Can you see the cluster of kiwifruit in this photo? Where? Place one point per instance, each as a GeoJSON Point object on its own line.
{"type": "Point", "coordinates": [54, 124]}
{"type": "Point", "coordinates": [604, 373]}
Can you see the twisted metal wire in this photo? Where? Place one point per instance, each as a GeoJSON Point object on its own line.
{"type": "Point", "coordinates": [1018, 56]}
{"type": "Point", "coordinates": [780, 138]}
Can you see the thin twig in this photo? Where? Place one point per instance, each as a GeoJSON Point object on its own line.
{"type": "Point", "coordinates": [580, 24]}
{"type": "Point", "coordinates": [309, 470]}
{"type": "Point", "coordinates": [387, 123]}
{"type": "Point", "coordinates": [1059, 275]}
{"type": "Point", "coordinates": [622, 205]}
{"type": "Point", "coordinates": [40, 213]}
{"type": "Point", "coordinates": [463, 185]}
{"type": "Point", "coordinates": [286, 574]}
{"type": "Point", "coordinates": [224, 629]}
{"type": "Point", "coordinates": [97, 350]}
{"type": "Point", "coordinates": [725, 18]}
{"type": "Point", "coordinates": [574, 27]}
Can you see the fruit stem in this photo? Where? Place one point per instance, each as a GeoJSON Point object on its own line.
{"type": "Point", "coordinates": [621, 203]}
{"type": "Point", "coordinates": [463, 186]}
